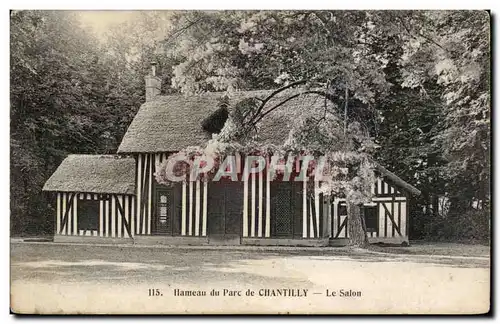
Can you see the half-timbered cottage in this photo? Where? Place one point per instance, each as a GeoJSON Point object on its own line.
{"type": "Point", "coordinates": [116, 197]}
{"type": "Point", "coordinates": [94, 196]}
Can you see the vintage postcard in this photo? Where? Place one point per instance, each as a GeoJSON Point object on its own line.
{"type": "Point", "coordinates": [250, 162]}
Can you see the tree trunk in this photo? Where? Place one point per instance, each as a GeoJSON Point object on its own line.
{"type": "Point", "coordinates": [435, 205]}
{"type": "Point", "coordinates": [356, 226]}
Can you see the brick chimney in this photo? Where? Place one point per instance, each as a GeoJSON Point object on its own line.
{"type": "Point", "coordinates": [153, 83]}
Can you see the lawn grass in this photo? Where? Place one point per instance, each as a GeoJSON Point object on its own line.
{"type": "Point", "coordinates": [436, 248]}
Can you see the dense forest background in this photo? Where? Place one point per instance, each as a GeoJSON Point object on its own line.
{"type": "Point", "coordinates": [421, 78]}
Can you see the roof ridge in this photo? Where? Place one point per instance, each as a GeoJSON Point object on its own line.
{"type": "Point", "coordinates": [172, 122]}
{"type": "Point", "coordinates": [209, 93]}
{"type": "Point", "coordinates": [105, 156]}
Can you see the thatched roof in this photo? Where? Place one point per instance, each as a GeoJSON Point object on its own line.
{"type": "Point", "coordinates": [94, 173]}
{"type": "Point", "coordinates": [171, 123]}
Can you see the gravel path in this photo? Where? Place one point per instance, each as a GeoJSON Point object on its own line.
{"type": "Point", "coordinates": [53, 278]}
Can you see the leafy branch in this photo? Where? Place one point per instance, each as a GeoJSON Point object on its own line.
{"type": "Point", "coordinates": [420, 34]}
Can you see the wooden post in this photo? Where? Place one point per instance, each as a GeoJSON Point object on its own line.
{"type": "Point", "coordinates": [138, 202]}
{"type": "Point", "coordinates": [316, 208]}
{"type": "Point", "coordinates": [304, 208]}
{"type": "Point", "coordinates": [310, 202]}
{"type": "Point", "coordinates": [205, 199]}
{"type": "Point", "coordinates": [113, 216]}
{"type": "Point", "coordinates": [197, 208]}
{"type": "Point", "coordinates": [260, 197]}
{"type": "Point", "coordinates": [268, 205]}
{"type": "Point", "coordinates": [101, 218]}
{"type": "Point", "coordinates": [132, 218]}
{"type": "Point", "coordinates": [74, 221]}
{"type": "Point", "coordinates": [184, 208]}
{"type": "Point", "coordinates": [191, 210]}
{"type": "Point", "coordinates": [252, 208]}
{"type": "Point", "coordinates": [58, 213]}
{"type": "Point", "coordinates": [150, 194]}
{"type": "Point", "coordinates": [245, 207]}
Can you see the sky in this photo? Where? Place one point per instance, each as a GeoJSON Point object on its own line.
{"type": "Point", "coordinates": [101, 21]}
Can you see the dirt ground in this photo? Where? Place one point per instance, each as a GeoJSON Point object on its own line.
{"type": "Point", "coordinates": [433, 248]}
{"type": "Point", "coordinates": [55, 278]}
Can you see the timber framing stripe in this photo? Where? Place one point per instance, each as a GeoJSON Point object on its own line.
{"type": "Point", "coordinates": [314, 210]}
{"type": "Point", "coordinates": [245, 208]}
{"type": "Point", "coordinates": [66, 212]}
{"type": "Point", "coordinates": [384, 212]}
{"type": "Point", "coordinates": [333, 213]}
{"type": "Point", "coordinates": [256, 203]}
{"type": "Point", "coordinates": [314, 216]}
{"type": "Point", "coordinates": [321, 214]}
{"type": "Point", "coordinates": [139, 197]}
{"type": "Point", "coordinates": [58, 213]}
{"type": "Point", "coordinates": [403, 217]}
{"type": "Point", "coordinates": [304, 209]}
{"type": "Point", "coordinates": [191, 209]}
{"type": "Point", "coordinates": [115, 214]}
{"type": "Point", "coordinates": [389, 214]}
{"type": "Point", "coordinates": [314, 223]}
{"type": "Point", "coordinates": [101, 219]}
{"type": "Point", "coordinates": [393, 212]}
{"type": "Point", "coordinates": [121, 210]}
{"type": "Point", "coordinates": [119, 224]}
{"type": "Point", "coordinates": [150, 193]}
{"type": "Point", "coordinates": [317, 209]}
{"type": "Point", "coordinates": [144, 194]}
{"type": "Point", "coordinates": [74, 218]}
{"type": "Point", "coordinates": [190, 213]}
{"type": "Point", "coordinates": [263, 206]}
{"type": "Point", "coordinates": [197, 210]}
{"type": "Point", "coordinates": [193, 206]}
{"type": "Point", "coordinates": [183, 208]}
{"type": "Point", "coordinates": [256, 212]}
{"type": "Point", "coordinates": [145, 170]}
{"type": "Point", "coordinates": [249, 207]}
{"type": "Point", "coordinates": [205, 208]}
{"type": "Point", "coordinates": [252, 201]}
{"type": "Point", "coordinates": [268, 206]}
{"type": "Point", "coordinates": [260, 206]}
{"type": "Point", "coordinates": [342, 226]}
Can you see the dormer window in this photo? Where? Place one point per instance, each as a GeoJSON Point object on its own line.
{"type": "Point", "coordinates": [215, 122]}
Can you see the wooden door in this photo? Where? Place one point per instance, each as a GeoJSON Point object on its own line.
{"type": "Point", "coordinates": [225, 208]}
{"type": "Point", "coordinates": [282, 209]}
{"type": "Point", "coordinates": [215, 221]}
{"type": "Point", "coordinates": [286, 209]}
{"type": "Point", "coordinates": [233, 205]}
{"type": "Point", "coordinates": [164, 213]}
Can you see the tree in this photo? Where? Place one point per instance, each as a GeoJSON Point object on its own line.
{"type": "Point", "coordinates": [71, 92]}
{"type": "Point", "coordinates": [63, 100]}
{"type": "Point", "coordinates": [346, 54]}
{"type": "Point", "coordinates": [454, 53]}
{"type": "Point", "coordinates": [326, 51]}
{"type": "Point", "coordinates": [414, 83]}
{"type": "Point", "coordinates": [51, 106]}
